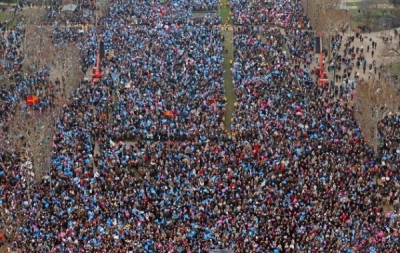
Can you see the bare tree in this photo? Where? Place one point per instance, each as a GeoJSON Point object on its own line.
{"type": "Point", "coordinates": [41, 52]}
{"type": "Point", "coordinates": [101, 9]}
{"type": "Point", "coordinates": [374, 101]}
{"type": "Point", "coordinates": [33, 15]}
{"type": "Point", "coordinates": [37, 48]}
{"type": "Point", "coordinates": [37, 41]}
{"type": "Point", "coordinates": [326, 15]}
{"type": "Point", "coordinates": [388, 55]}
{"type": "Point", "coordinates": [391, 50]}
{"type": "Point", "coordinates": [28, 129]}
{"type": "Point", "coordinates": [28, 134]}
{"type": "Point", "coordinates": [102, 6]}
{"type": "Point", "coordinates": [31, 132]}
{"type": "Point", "coordinates": [65, 66]}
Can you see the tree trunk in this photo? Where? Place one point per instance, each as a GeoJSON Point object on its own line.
{"type": "Point", "coordinates": [375, 140]}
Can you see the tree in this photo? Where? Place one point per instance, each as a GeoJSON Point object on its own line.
{"type": "Point", "coordinates": [37, 48]}
{"type": "Point", "coordinates": [368, 7]}
{"type": "Point", "coordinates": [61, 60]}
{"type": "Point", "coordinates": [37, 42]}
{"type": "Point", "coordinates": [391, 50]}
{"type": "Point", "coordinates": [325, 14]}
{"type": "Point", "coordinates": [41, 52]}
{"type": "Point", "coordinates": [389, 54]}
{"type": "Point", "coordinates": [102, 6]}
{"type": "Point", "coordinates": [33, 15]}
{"type": "Point", "coordinates": [374, 101]}
{"type": "Point", "coordinates": [65, 66]}
{"type": "Point", "coordinates": [101, 9]}
{"type": "Point", "coordinates": [30, 132]}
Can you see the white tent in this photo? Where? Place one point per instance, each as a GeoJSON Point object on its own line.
{"type": "Point", "coordinates": [69, 7]}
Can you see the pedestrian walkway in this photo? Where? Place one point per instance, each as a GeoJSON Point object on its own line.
{"type": "Point", "coordinates": [227, 33]}
{"type": "Point", "coordinates": [381, 56]}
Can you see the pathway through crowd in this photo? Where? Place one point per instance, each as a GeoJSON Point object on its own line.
{"type": "Point", "coordinates": [227, 33]}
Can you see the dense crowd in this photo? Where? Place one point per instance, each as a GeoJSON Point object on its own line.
{"type": "Point", "coordinates": [141, 162]}
{"type": "Point", "coordinates": [258, 13]}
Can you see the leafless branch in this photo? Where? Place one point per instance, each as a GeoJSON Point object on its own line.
{"type": "Point", "coordinates": [391, 50]}
{"type": "Point", "coordinates": [325, 16]}
{"type": "Point", "coordinates": [66, 66]}
{"type": "Point", "coordinates": [30, 132]}
{"type": "Point", "coordinates": [374, 101]}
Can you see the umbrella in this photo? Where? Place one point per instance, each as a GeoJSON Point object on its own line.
{"type": "Point", "coordinates": [299, 113]}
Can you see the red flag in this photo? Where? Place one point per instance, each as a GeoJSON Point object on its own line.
{"type": "Point", "coordinates": [32, 100]}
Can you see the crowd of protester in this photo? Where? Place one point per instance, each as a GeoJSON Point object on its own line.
{"type": "Point", "coordinates": [141, 163]}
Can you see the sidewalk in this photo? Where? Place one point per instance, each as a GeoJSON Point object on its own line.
{"type": "Point", "coordinates": [368, 39]}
